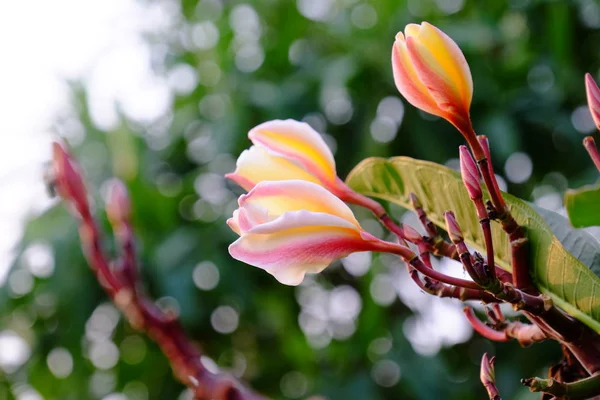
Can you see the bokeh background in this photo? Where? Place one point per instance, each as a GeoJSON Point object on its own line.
{"type": "Point", "coordinates": [162, 94]}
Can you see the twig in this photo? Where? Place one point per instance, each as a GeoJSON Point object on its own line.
{"type": "Point", "coordinates": [483, 276]}
{"type": "Point", "coordinates": [470, 177]}
{"type": "Point", "coordinates": [581, 389]}
{"type": "Point", "coordinates": [441, 247]}
{"type": "Point", "coordinates": [484, 330]}
{"type": "Point", "coordinates": [124, 290]}
{"type": "Point", "coordinates": [440, 289]}
{"type": "Point", "coordinates": [525, 334]}
{"type": "Point", "coordinates": [516, 235]}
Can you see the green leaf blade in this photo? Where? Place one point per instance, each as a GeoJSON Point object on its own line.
{"type": "Point", "coordinates": [583, 206]}
{"type": "Point", "coordinates": [565, 262]}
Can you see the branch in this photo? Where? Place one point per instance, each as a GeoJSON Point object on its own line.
{"type": "Point", "coordinates": [440, 246]}
{"type": "Point", "coordinates": [500, 211]}
{"type": "Point", "coordinates": [582, 389]}
{"type": "Point", "coordinates": [525, 334]}
{"type": "Point", "coordinates": [440, 289]}
{"type": "Point", "coordinates": [484, 330]}
{"type": "Point", "coordinates": [122, 287]}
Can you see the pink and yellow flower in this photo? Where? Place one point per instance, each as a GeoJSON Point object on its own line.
{"type": "Point", "coordinates": [432, 73]}
{"type": "Point", "coordinates": [293, 227]}
{"type": "Point", "coordinates": [283, 150]}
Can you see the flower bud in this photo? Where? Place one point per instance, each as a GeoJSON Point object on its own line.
{"type": "Point", "coordinates": [118, 206]}
{"type": "Point", "coordinates": [488, 376]}
{"type": "Point", "coordinates": [453, 228]}
{"type": "Point", "coordinates": [593, 98]}
{"type": "Point", "coordinates": [411, 234]}
{"type": "Point", "coordinates": [414, 201]}
{"type": "Point", "coordinates": [470, 174]}
{"type": "Point", "coordinates": [68, 180]}
{"type": "Point", "coordinates": [431, 72]}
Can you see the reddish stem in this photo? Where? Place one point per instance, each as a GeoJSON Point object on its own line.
{"type": "Point", "coordinates": [411, 258]}
{"type": "Point", "coordinates": [484, 330]}
{"type": "Point", "coordinates": [163, 328]}
{"type": "Point", "coordinates": [122, 287]}
{"type": "Point", "coordinates": [437, 288]}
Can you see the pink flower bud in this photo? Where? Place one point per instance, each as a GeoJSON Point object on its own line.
{"type": "Point", "coordinates": [593, 98]}
{"type": "Point", "coordinates": [411, 234]}
{"type": "Point", "coordinates": [118, 206]}
{"type": "Point", "coordinates": [453, 228]}
{"type": "Point", "coordinates": [414, 201]}
{"type": "Point", "coordinates": [470, 173]}
{"type": "Point", "coordinates": [68, 180]}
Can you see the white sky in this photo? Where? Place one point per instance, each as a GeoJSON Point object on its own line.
{"type": "Point", "coordinates": [47, 43]}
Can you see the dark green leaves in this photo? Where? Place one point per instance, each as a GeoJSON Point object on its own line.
{"type": "Point", "coordinates": [565, 262]}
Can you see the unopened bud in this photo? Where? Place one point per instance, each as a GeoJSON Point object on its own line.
{"type": "Point", "coordinates": [118, 206]}
{"type": "Point", "coordinates": [485, 145]}
{"type": "Point", "coordinates": [470, 173]}
{"type": "Point", "coordinates": [67, 179]}
{"type": "Point", "coordinates": [593, 98]}
{"type": "Point", "coordinates": [452, 227]}
{"type": "Point", "coordinates": [411, 234]}
{"type": "Point", "coordinates": [488, 376]}
{"type": "Point", "coordinates": [415, 202]}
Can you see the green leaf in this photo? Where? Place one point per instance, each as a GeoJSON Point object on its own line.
{"type": "Point", "coordinates": [583, 206]}
{"type": "Point", "coordinates": [565, 262]}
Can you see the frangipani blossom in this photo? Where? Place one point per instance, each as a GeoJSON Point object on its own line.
{"type": "Point", "coordinates": [286, 149]}
{"type": "Point", "coordinates": [293, 227]}
{"type": "Point", "coordinates": [432, 73]}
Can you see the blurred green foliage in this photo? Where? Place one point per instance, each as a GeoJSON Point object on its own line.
{"type": "Point", "coordinates": [331, 68]}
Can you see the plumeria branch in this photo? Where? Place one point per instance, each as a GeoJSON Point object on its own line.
{"type": "Point", "coordinates": [581, 389]}
{"type": "Point", "coordinates": [440, 289]}
{"type": "Point", "coordinates": [121, 284]}
{"type": "Point", "coordinates": [516, 235]}
{"type": "Point", "coordinates": [525, 334]}
{"type": "Point", "coordinates": [440, 246]}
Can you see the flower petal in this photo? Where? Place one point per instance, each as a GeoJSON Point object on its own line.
{"type": "Point", "coordinates": [441, 69]}
{"type": "Point", "coordinates": [450, 58]}
{"type": "Point", "coordinates": [289, 254]}
{"type": "Point", "coordinates": [234, 222]}
{"type": "Point", "coordinates": [302, 220]}
{"type": "Point", "coordinates": [257, 164]}
{"type": "Point", "coordinates": [407, 81]}
{"type": "Point", "coordinates": [297, 141]}
{"type": "Point", "coordinates": [293, 195]}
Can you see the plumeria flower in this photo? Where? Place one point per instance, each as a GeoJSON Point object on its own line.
{"type": "Point", "coordinates": [286, 149]}
{"type": "Point", "coordinates": [293, 227]}
{"type": "Point", "coordinates": [431, 72]}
